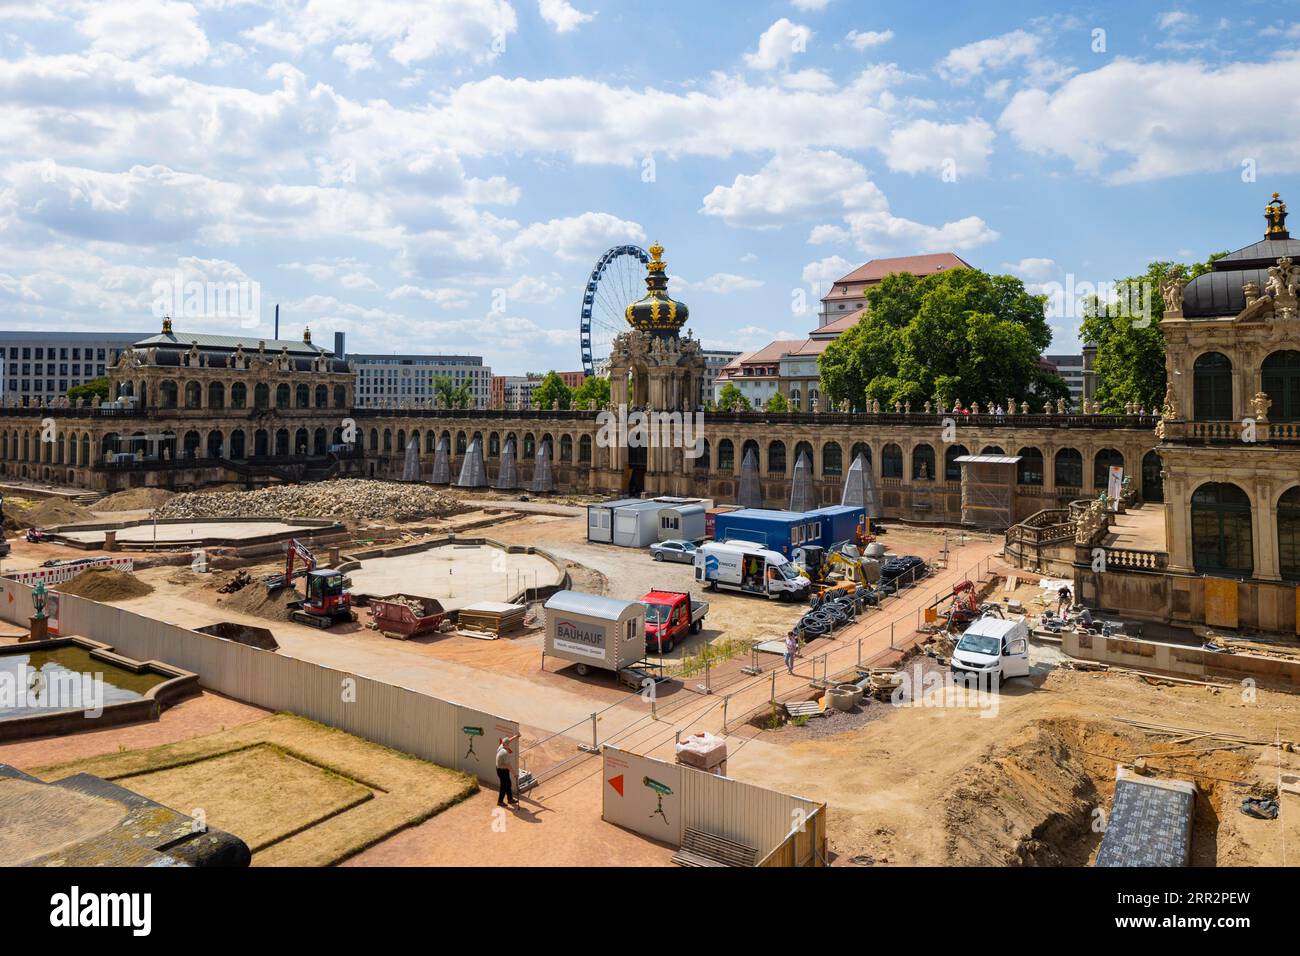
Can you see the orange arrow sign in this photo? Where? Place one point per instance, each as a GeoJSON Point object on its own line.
{"type": "Point", "coordinates": [617, 783]}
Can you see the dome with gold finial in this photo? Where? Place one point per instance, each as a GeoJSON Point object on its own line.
{"type": "Point", "coordinates": [657, 314]}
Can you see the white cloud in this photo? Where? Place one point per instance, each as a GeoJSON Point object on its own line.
{"type": "Point", "coordinates": [825, 271]}
{"type": "Point", "coordinates": [882, 232]}
{"type": "Point", "coordinates": [927, 146]}
{"type": "Point", "coordinates": [531, 290]}
{"type": "Point", "coordinates": [578, 238]}
{"type": "Point", "coordinates": [443, 298]}
{"type": "Point", "coordinates": [720, 283]}
{"type": "Point", "coordinates": [161, 31]}
{"type": "Point", "coordinates": [1175, 19]}
{"type": "Point", "coordinates": [1177, 118]}
{"type": "Point", "coordinates": [810, 5]}
{"type": "Point", "coordinates": [562, 15]}
{"type": "Point", "coordinates": [967, 62]}
{"type": "Point", "coordinates": [355, 56]}
{"type": "Point", "coordinates": [828, 234]}
{"type": "Point", "coordinates": [863, 40]}
{"type": "Point", "coordinates": [1033, 269]}
{"type": "Point", "coordinates": [779, 44]}
{"type": "Point", "coordinates": [410, 30]}
{"type": "Point", "coordinates": [355, 281]}
{"type": "Point", "coordinates": [794, 185]}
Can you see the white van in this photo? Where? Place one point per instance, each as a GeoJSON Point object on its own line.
{"type": "Point", "coordinates": [992, 645]}
{"type": "Point", "coordinates": [749, 567]}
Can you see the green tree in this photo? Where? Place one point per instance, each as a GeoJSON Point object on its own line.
{"type": "Point", "coordinates": [592, 393]}
{"type": "Point", "coordinates": [730, 397]}
{"type": "Point", "coordinates": [552, 390]}
{"type": "Point", "coordinates": [450, 395]}
{"type": "Point", "coordinates": [958, 334]}
{"type": "Point", "coordinates": [1130, 361]}
{"type": "Point", "coordinates": [776, 403]}
{"type": "Point", "coordinates": [96, 386]}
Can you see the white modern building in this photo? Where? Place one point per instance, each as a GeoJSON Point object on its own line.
{"type": "Point", "coordinates": [42, 365]}
{"type": "Point", "coordinates": [715, 360]}
{"type": "Point", "coordinates": [393, 379]}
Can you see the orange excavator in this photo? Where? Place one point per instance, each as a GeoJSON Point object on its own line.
{"type": "Point", "coordinates": [328, 600]}
{"type": "Point", "coordinates": [964, 607]}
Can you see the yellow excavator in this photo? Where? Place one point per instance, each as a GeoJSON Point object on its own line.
{"type": "Point", "coordinates": [834, 570]}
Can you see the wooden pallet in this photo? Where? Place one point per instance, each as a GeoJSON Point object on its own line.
{"type": "Point", "coordinates": [803, 708]}
{"type": "Point", "coordinates": [706, 849]}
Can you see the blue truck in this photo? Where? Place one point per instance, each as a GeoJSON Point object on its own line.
{"type": "Point", "coordinates": [783, 531]}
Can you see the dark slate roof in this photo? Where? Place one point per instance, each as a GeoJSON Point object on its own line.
{"type": "Point", "coordinates": [1260, 254]}
{"type": "Point", "coordinates": [229, 343]}
{"type": "Point", "coordinates": [1219, 293]}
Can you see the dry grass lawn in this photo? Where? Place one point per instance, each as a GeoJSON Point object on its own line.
{"type": "Point", "coordinates": [297, 792]}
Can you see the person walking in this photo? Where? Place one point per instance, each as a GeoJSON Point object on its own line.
{"type": "Point", "coordinates": [503, 772]}
{"type": "Point", "coordinates": [1063, 601]}
{"type": "Point", "coordinates": [791, 649]}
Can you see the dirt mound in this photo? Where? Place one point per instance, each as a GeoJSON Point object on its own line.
{"type": "Point", "coordinates": [252, 598]}
{"type": "Point", "coordinates": [21, 513]}
{"type": "Point", "coordinates": [106, 584]}
{"type": "Point", "coordinates": [135, 499]}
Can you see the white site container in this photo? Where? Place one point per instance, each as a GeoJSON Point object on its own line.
{"type": "Point", "coordinates": [594, 631]}
{"type": "Point", "coordinates": [636, 525]}
{"type": "Point", "coordinates": [600, 519]}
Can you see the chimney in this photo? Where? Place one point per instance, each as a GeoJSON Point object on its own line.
{"type": "Point", "coordinates": [277, 321]}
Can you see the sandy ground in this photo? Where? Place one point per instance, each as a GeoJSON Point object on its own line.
{"type": "Point", "coordinates": [190, 531]}
{"type": "Point", "coordinates": [456, 575]}
{"type": "Point", "coordinates": [893, 783]}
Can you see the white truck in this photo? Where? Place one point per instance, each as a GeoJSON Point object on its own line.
{"type": "Point", "coordinates": [992, 646]}
{"type": "Point", "coordinates": [748, 567]}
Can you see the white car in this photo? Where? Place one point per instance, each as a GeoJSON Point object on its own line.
{"type": "Point", "coordinates": [683, 551]}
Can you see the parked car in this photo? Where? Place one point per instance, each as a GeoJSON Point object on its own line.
{"type": "Point", "coordinates": [903, 571]}
{"type": "Point", "coordinates": [673, 550]}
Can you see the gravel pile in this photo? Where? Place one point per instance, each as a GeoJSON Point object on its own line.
{"type": "Point", "coordinates": [344, 499]}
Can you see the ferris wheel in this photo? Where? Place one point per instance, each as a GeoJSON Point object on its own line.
{"type": "Point", "coordinates": [616, 282]}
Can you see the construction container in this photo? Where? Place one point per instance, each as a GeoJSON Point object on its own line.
{"type": "Point", "coordinates": [711, 514]}
{"type": "Point", "coordinates": [681, 521]}
{"type": "Point", "coordinates": [778, 531]}
{"type": "Point", "coordinates": [594, 631]}
{"type": "Point", "coordinates": [600, 519]}
{"type": "Point", "coordinates": [404, 616]}
{"type": "Point", "coordinates": [636, 525]}
{"type": "Point", "coordinates": [839, 524]}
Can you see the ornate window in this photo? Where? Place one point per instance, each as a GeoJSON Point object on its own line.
{"type": "Point", "coordinates": [832, 460]}
{"type": "Point", "coordinates": [1101, 465]}
{"type": "Point", "coordinates": [1288, 534]}
{"type": "Point", "coordinates": [1153, 485]}
{"type": "Point", "coordinates": [1281, 380]}
{"type": "Point", "coordinates": [1221, 529]}
{"type": "Point", "coordinates": [923, 463]}
{"type": "Point", "coordinates": [891, 461]}
{"type": "Point", "coordinates": [1212, 388]}
{"type": "Point", "coordinates": [776, 458]}
{"type": "Point", "coordinates": [952, 467]}
{"type": "Point", "coordinates": [1029, 470]}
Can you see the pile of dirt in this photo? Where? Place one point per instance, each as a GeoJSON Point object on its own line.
{"type": "Point", "coordinates": [106, 584]}
{"type": "Point", "coordinates": [21, 513]}
{"type": "Point", "coordinates": [135, 499]}
{"type": "Point", "coordinates": [252, 598]}
{"type": "Point", "coordinates": [346, 499]}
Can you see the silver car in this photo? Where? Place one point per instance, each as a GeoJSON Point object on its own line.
{"type": "Point", "coordinates": [683, 551]}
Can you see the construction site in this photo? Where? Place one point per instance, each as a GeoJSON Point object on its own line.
{"type": "Point", "coordinates": [895, 732]}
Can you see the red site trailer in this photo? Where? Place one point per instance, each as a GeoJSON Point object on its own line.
{"type": "Point", "coordinates": [396, 615]}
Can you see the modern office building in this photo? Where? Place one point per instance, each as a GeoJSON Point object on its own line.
{"type": "Point", "coordinates": [394, 379]}
{"type": "Point", "coordinates": [42, 365]}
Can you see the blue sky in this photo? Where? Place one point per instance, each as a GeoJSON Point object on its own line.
{"type": "Point", "coordinates": [440, 175]}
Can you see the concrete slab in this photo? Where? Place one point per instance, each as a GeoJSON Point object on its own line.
{"type": "Point", "coordinates": [171, 534]}
{"type": "Point", "coordinates": [455, 574]}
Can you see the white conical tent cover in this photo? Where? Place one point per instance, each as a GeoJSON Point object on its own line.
{"type": "Point", "coordinates": [802, 496]}
{"type": "Point", "coordinates": [750, 495]}
{"type": "Point", "coordinates": [411, 467]}
{"type": "Point", "coordinates": [860, 488]}
{"type": "Point", "coordinates": [441, 474]}
{"type": "Point", "coordinates": [543, 481]}
{"type": "Point", "coordinates": [473, 474]}
{"type": "Point", "coordinates": [508, 474]}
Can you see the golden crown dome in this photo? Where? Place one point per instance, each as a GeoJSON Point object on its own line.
{"type": "Point", "coordinates": [656, 313]}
